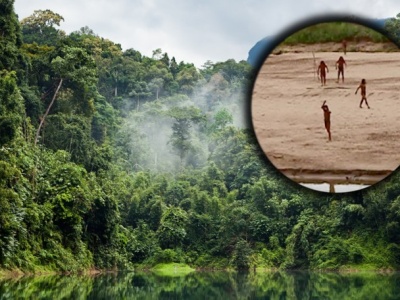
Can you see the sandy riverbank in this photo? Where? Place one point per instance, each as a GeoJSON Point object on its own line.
{"type": "Point", "coordinates": [288, 120]}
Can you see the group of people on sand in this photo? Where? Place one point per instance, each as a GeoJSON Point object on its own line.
{"type": "Point", "coordinates": [340, 67]}
{"type": "Point", "coordinates": [323, 69]}
{"type": "Point", "coordinates": [327, 112]}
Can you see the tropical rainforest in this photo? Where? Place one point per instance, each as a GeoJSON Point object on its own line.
{"type": "Point", "coordinates": [113, 160]}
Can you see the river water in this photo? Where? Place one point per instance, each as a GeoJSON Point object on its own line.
{"type": "Point", "coordinates": [205, 285]}
{"type": "Point", "coordinates": [337, 188]}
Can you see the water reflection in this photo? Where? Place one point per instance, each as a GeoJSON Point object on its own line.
{"type": "Point", "coordinates": [335, 188]}
{"type": "Point", "coordinates": [206, 285]}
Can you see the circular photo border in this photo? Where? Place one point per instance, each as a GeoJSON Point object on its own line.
{"type": "Point", "coordinates": [267, 50]}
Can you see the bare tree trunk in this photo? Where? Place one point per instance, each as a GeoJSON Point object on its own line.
{"type": "Point", "coordinates": [315, 64]}
{"type": "Point", "coordinates": [48, 110]}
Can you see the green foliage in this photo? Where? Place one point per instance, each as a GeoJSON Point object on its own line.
{"type": "Point", "coordinates": [75, 64]}
{"type": "Point", "coordinates": [10, 36]}
{"type": "Point", "coordinates": [392, 27]}
{"type": "Point", "coordinates": [11, 214]}
{"type": "Point", "coordinates": [166, 256]}
{"type": "Point", "coordinates": [241, 255]}
{"type": "Point", "coordinates": [11, 107]}
{"type": "Point", "coordinates": [335, 32]}
{"type": "Point", "coordinates": [172, 232]}
{"type": "Point", "coordinates": [176, 281]}
{"type": "Point", "coordinates": [271, 256]}
{"type": "Point", "coordinates": [141, 161]}
{"type": "Point", "coordinates": [221, 120]}
{"type": "Point", "coordinates": [172, 270]}
{"type": "Point", "coordinates": [39, 27]}
{"type": "Point", "coordinates": [185, 118]}
{"type": "Point", "coordinates": [70, 133]}
{"type": "Point", "coordinates": [187, 78]}
{"type": "Point", "coordinates": [144, 244]}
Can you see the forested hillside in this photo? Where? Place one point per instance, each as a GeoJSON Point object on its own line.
{"type": "Point", "coordinates": [111, 159]}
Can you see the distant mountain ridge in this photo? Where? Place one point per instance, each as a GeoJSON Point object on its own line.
{"type": "Point", "coordinates": [258, 51]}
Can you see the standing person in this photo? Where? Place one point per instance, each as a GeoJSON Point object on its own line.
{"type": "Point", "coordinates": [340, 67]}
{"type": "Point", "coordinates": [321, 72]}
{"type": "Point", "coordinates": [344, 45]}
{"type": "Point", "coordinates": [363, 87]}
{"type": "Point", "coordinates": [327, 118]}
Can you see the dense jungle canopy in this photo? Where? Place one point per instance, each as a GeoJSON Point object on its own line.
{"type": "Point", "coordinates": [111, 159]}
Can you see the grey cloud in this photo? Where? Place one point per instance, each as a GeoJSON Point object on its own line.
{"type": "Point", "coordinates": [196, 31]}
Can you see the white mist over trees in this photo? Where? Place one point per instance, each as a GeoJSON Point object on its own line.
{"type": "Point", "coordinates": [147, 160]}
{"type": "Point", "coordinates": [176, 130]}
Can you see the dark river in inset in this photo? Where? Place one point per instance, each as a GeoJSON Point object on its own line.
{"type": "Point", "coordinates": [205, 285]}
{"type": "Point", "coordinates": [335, 188]}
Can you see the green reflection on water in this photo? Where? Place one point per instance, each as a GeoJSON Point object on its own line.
{"type": "Point", "coordinates": [206, 285]}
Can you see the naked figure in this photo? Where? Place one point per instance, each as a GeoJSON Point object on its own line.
{"type": "Point", "coordinates": [363, 87]}
{"type": "Point", "coordinates": [321, 72]}
{"type": "Point", "coordinates": [327, 119]}
{"type": "Point", "coordinates": [340, 67]}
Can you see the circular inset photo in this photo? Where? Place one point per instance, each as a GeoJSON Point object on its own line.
{"type": "Point", "coordinates": [325, 106]}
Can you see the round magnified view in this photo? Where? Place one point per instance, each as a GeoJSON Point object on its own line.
{"type": "Point", "coordinates": [325, 107]}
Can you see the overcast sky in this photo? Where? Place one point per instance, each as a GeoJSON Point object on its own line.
{"type": "Point", "coordinates": [197, 30]}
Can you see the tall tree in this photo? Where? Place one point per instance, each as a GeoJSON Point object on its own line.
{"type": "Point", "coordinates": [140, 89]}
{"type": "Point", "coordinates": [184, 117]}
{"type": "Point", "coordinates": [75, 65]}
{"type": "Point", "coordinates": [187, 78]}
{"type": "Point", "coordinates": [39, 28]}
{"type": "Point", "coordinates": [11, 105]}
{"type": "Point", "coordinates": [10, 34]}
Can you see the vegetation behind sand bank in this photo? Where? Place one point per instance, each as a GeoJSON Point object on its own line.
{"type": "Point", "coordinates": [328, 37]}
{"type": "Point", "coordinates": [335, 32]}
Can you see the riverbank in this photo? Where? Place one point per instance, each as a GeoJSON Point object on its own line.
{"type": "Point", "coordinates": [364, 177]}
{"type": "Point", "coordinates": [17, 273]}
{"type": "Point", "coordinates": [289, 123]}
{"type": "Point", "coordinates": [180, 269]}
{"type": "Point", "coordinates": [352, 46]}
